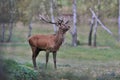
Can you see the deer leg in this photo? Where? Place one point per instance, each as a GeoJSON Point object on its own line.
{"type": "Point", "coordinates": [34, 55]}
{"type": "Point", "coordinates": [47, 58]}
{"type": "Point", "coordinates": [54, 58]}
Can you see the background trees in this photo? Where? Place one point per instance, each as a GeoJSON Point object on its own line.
{"type": "Point", "coordinates": [8, 16]}
{"type": "Point", "coordinates": [27, 11]}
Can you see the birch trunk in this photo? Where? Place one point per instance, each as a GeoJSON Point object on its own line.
{"type": "Point", "coordinates": [30, 28]}
{"type": "Point", "coordinates": [91, 31]}
{"type": "Point", "coordinates": [3, 32]}
{"type": "Point", "coordinates": [10, 32]}
{"type": "Point", "coordinates": [52, 15]}
{"type": "Point", "coordinates": [119, 23]}
{"type": "Point", "coordinates": [95, 33]}
{"type": "Point", "coordinates": [11, 22]}
{"type": "Point", "coordinates": [74, 32]}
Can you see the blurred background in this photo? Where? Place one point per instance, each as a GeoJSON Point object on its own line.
{"type": "Point", "coordinates": [90, 50]}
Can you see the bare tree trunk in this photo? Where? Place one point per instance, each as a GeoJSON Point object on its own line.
{"type": "Point", "coordinates": [74, 32]}
{"type": "Point", "coordinates": [90, 35]}
{"type": "Point", "coordinates": [3, 32]}
{"type": "Point", "coordinates": [119, 28]}
{"type": "Point", "coordinates": [12, 8]}
{"type": "Point", "coordinates": [96, 25]}
{"type": "Point", "coordinates": [119, 23]}
{"type": "Point", "coordinates": [74, 39]}
{"type": "Point", "coordinates": [30, 29]}
{"type": "Point", "coordinates": [56, 10]}
{"type": "Point", "coordinates": [99, 7]}
{"type": "Point", "coordinates": [10, 31]}
{"type": "Point", "coordinates": [95, 33]}
{"type": "Point", "coordinates": [52, 15]}
{"type": "Point", "coordinates": [91, 31]}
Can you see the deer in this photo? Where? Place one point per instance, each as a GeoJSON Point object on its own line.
{"type": "Point", "coordinates": [49, 43]}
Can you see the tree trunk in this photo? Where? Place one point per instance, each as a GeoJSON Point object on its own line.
{"type": "Point", "coordinates": [74, 32]}
{"type": "Point", "coordinates": [119, 28]}
{"type": "Point", "coordinates": [98, 9]}
{"type": "Point", "coordinates": [91, 31]}
{"type": "Point", "coordinates": [74, 39]}
{"type": "Point", "coordinates": [10, 32]}
{"type": "Point", "coordinates": [90, 35]}
{"type": "Point", "coordinates": [12, 8]}
{"type": "Point", "coordinates": [52, 15]}
{"type": "Point", "coordinates": [30, 29]}
{"type": "Point", "coordinates": [95, 33]}
{"type": "Point", "coordinates": [119, 23]}
{"type": "Point", "coordinates": [3, 32]}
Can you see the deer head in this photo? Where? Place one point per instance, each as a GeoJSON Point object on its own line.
{"type": "Point", "coordinates": [63, 26]}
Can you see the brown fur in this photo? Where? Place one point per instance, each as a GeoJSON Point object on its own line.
{"type": "Point", "coordinates": [48, 43]}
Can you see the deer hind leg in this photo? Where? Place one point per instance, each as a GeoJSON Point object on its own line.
{"type": "Point", "coordinates": [34, 55]}
{"type": "Point", "coordinates": [47, 58]}
{"type": "Point", "coordinates": [54, 58]}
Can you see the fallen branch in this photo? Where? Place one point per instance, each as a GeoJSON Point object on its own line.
{"type": "Point", "coordinates": [102, 25]}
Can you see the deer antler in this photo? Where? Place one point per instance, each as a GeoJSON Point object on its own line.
{"type": "Point", "coordinates": [48, 21]}
{"type": "Point", "coordinates": [67, 22]}
{"type": "Point", "coordinates": [62, 20]}
{"type": "Point", "coordinates": [59, 22]}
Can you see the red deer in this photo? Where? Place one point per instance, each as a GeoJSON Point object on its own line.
{"type": "Point", "coordinates": [48, 43]}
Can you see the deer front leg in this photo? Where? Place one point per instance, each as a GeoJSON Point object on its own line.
{"type": "Point", "coordinates": [54, 58]}
{"type": "Point", "coordinates": [34, 55]}
{"type": "Point", "coordinates": [34, 61]}
{"type": "Point", "coordinates": [47, 58]}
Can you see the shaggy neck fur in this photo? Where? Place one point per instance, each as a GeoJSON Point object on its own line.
{"type": "Point", "coordinates": [59, 39]}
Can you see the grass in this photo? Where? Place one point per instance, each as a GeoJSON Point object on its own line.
{"type": "Point", "coordinates": [17, 71]}
{"type": "Point", "coordinates": [74, 63]}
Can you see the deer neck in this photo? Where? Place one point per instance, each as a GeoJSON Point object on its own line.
{"type": "Point", "coordinates": [59, 38]}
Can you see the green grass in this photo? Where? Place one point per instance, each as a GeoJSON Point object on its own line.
{"type": "Point", "coordinates": [74, 63]}
{"type": "Point", "coordinates": [90, 53]}
{"type": "Point", "coordinates": [17, 71]}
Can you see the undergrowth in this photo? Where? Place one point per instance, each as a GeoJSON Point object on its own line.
{"type": "Point", "coordinates": [11, 70]}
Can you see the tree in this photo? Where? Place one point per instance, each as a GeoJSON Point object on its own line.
{"type": "Point", "coordinates": [119, 23]}
{"type": "Point", "coordinates": [3, 32]}
{"type": "Point", "coordinates": [8, 15]}
{"type": "Point", "coordinates": [35, 8]}
{"type": "Point", "coordinates": [52, 15]}
{"type": "Point", "coordinates": [74, 31]}
{"type": "Point", "coordinates": [91, 31]}
{"type": "Point", "coordinates": [4, 17]}
{"type": "Point", "coordinates": [13, 17]}
{"type": "Point", "coordinates": [94, 25]}
{"type": "Point", "coordinates": [30, 28]}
